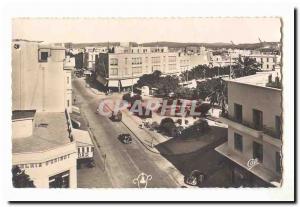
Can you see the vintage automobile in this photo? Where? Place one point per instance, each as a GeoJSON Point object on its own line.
{"type": "Point", "coordinates": [195, 178]}
{"type": "Point", "coordinates": [116, 116]}
{"type": "Point", "coordinates": [125, 138]}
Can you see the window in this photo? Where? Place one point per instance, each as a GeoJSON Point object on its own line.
{"type": "Point", "coordinates": [238, 142]}
{"type": "Point", "coordinates": [278, 162]}
{"type": "Point", "coordinates": [136, 61]}
{"type": "Point", "coordinates": [87, 149]}
{"type": "Point", "coordinates": [172, 58]}
{"type": "Point", "coordinates": [155, 59]}
{"type": "Point", "coordinates": [267, 59]}
{"type": "Point", "coordinates": [78, 150]}
{"type": "Point", "coordinates": [68, 103]}
{"type": "Point", "coordinates": [92, 149]}
{"type": "Point", "coordinates": [113, 61]}
{"type": "Point", "coordinates": [44, 56]}
{"type": "Point", "coordinates": [155, 67]}
{"type": "Point", "coordinates": [278, 127]}
{"type": "Point", "coordinates": [258, 151]}
{"type": "Point", "coordinates": [61, 180]}
{"type": "Point", "coordinates": [267, 66]}
{"type": "Point", "coordinates": [126, 59]}
{"type": "Point", "coordinates": [68, 80]}
{"type": "Point", "coordinates": [82, 149]}
{"type": "Point", "coordinates": [257, 119]}
{"type": "Point", "coordinates": [113, 71]}
{"type": "Point", "coordinates": [136, 70]}
{"type": "Point", "coordinates": [238, 112]}
{"type": "Point", "coordinates": [172, 66]}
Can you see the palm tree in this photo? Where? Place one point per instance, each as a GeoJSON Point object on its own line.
{"type": "Point", "coordinates": [245, 66]}
{"type": "Point", "coordinates": [219, 95]}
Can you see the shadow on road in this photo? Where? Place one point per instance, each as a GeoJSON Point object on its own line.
{"type": "Point", "coordinates": [199, 154]}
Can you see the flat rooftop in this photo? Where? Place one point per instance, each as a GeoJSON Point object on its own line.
{"type": "Point", "coordinates": [50, 131]}
{"type": "Point", "coordinates": [259, 79]}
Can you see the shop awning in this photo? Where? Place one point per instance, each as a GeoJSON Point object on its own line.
{"type": "Point", "coordinates": [113, 83]}
{"type": "Point", "coordinates": [101, 80]}
{"type": "Point", "coordinates": [82, 137]}
{"type": "Point", "coordinates": [128, 82]}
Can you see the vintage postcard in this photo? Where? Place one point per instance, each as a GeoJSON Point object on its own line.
{"type": "Point", "coordinates": [104, 103]}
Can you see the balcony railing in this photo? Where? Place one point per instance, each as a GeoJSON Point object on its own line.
{"type": "Point", "coordinates": [243, 122]}
{"type": "Point", "coordinates": [266, 130]}
{"type": "Point", "coordinates": [271, 132]}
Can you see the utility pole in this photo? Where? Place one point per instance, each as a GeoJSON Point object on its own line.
{"type": "Point", "coordinates": [230, 66]}
{"type": "Point", "coordinates": [131, 81]}
{"type": "Point", "coordinates": [104, 156]}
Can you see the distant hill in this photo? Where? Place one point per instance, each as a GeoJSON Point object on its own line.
{"type": "Point", "coordinates": [216, 45]}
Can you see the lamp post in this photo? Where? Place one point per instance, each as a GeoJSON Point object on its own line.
{"type": "Point", "coordinates": [230, 65]}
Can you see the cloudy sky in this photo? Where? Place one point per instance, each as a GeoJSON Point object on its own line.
{"type": "Point", "coordinates": [238, 30]}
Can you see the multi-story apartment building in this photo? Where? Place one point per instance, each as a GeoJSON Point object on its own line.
{"type": "Point", "coordinates": [254, 130]}
{"type": "Point", "coordinates": [90, 56]}
{"type": "Point", "coordinates": [44, 143]}
{"type": "Point", "coordinates": [122, 67]}
{"type": "Point", "coordinates": [38, 71]}
{"type": "Point", "coordinates": [267, 61]}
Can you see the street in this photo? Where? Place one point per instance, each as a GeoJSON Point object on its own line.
{"type": "Point", "coordinates": [117, 164]}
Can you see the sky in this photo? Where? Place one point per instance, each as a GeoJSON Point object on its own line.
{"type": "Point", "coordinates": [204, 30]}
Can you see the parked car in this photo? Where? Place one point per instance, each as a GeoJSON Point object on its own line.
{"type": "Point", "coordinates": [195, 178]}
{"type": "Point", "coordinates": [116, 116]}
{"type": "Point", "coordinates": [125, 138]}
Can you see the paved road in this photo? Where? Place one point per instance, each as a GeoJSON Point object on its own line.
{"type": "Point", "coordinates": [123, 162]}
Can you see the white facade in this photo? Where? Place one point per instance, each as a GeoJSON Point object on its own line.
{"type": "Point", "coordinates": [125, 65]}
{"type": "Point", "coordinates": [41, 166]}
{"type": "Point", "coordinates": [267, 61]}
{"type": "Point", "coordinates": [35, 67]}
{"type": "Point", "coordinates": [254, 126]}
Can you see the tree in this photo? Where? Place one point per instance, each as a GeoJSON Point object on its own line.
{"type": "Point", "coordinates": [166, 120]}
{"type": "Point", "coordinates": [20, 179]}
{"type": "Point", "coordinates": [245, 66]}
{"type": "Point", "coordinates": [167, 84]}
{"type": "Point", "coordinates": [199, 127]}
{"type": "Point", "coordinates": [219, 94]}
{"type": "Point", "coordinates": [149, 80]}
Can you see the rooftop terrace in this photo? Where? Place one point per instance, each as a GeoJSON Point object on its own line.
{"type": "Point", "coordinates": [50, 131]}
{"type": "Point", "coordinates": [259, 79]}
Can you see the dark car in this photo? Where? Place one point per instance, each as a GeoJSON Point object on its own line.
{"type": "Point", "coordinates": [195, 178]}
{"type": "Point", "coordinates": [116, 116]}
{"type": "Point", "coordinates": [125, 138]}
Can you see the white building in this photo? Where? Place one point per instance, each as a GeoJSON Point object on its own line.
{"type": "Point", "coordinates": [267, 61]}
{"type": "Point", "coordinates": [42, 146]}
{"type": "Point", "coordinates": [123, 66]}
{"type": "Point", "coordinates": [254, 130]}
{"type": "Point", "coordinates": [36, 67]}
{"type": "Point", "coordinates": [44, 143]}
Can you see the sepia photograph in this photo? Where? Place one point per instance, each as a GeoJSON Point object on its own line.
{"type": "Point", "coordinates": [149, 104]}
{"type": "Point", "coordinates": [146, 114]}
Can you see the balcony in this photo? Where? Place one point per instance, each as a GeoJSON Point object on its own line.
{"type": "Point", "coordinates": [243, 126]}
{"type": "Point", "coordinates": [270, 136]}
